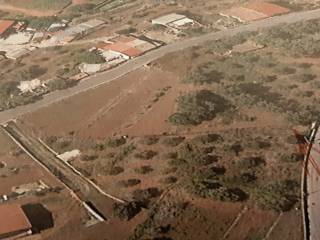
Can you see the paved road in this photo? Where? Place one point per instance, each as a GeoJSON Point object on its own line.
{"type": "Point", "coordinates": [313, 189]}
{"type": "Point", "coordinates": [136, 63]}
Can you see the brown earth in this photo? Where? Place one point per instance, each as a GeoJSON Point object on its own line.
{"type": "Point", "coordinates": [129, 106]}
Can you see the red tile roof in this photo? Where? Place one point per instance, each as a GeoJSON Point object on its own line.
{"type": "Point", "coordinates": [268, 9]}
{"type": "Point", "coordinates": [132, 52]}
{"type": "Point", "coordinates": [5, 25]}
{"type": "Point", "coordinates": [13, 219]}
{"type": "Point", "coordinates": [123, 48]}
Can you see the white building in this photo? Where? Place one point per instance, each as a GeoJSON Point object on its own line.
{"type": "Point", "coordinates": [29, 86]}
{"type": "Point", "coordinates": [14, 54]}
{"type": "Point", "coordinates": [173, 20]}
{"type": "Point", "coordinates": [19, 38]}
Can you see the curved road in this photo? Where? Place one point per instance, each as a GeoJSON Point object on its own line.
{"type": "Point", "coordinates": [105, 77]}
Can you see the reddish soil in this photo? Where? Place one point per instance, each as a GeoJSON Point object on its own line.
{"type": "Point", "coordinates": [289, 226]}
{"type": "Point", "coordinates": [254, 223]}
{"type": "Point", "coordinates": [120, 107]}
{"type": "Point", "coordinates": [205, 219]}
{"type": "Point", "coordinates": [268, 9]}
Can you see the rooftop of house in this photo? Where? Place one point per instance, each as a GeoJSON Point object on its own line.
{"type": "Point", "coordinates": [5, 25]}
{"type": "Point", "coordinates": [15, 219]}
{"type": "Point", "coordinates": [166, 19]}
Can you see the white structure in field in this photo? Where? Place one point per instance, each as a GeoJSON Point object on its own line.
{"type": "Point", "coordinates": [14, 54]}
{"type": "Point", "coordinates": [173, 20]}
{"type": "Point", "coordinates": [110, 55]}
{"type": "Point", "coordinates": [69, 34]}
{"type": "Point", "coordinates": [30, 188]}
{"type": "Point", "coordinates": [29, 86]}
{"type": "Point", "coordinates": [69, 155]}
{"type": "Point", "coordinates": [90, 68]}
{"type": "Point", "coordinates": [18, 38]}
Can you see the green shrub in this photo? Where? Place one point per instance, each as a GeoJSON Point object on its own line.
{"type": "Point", "coordinates": [213, 189]}
{"type": "Point", "coordinates": [208, 138]}
{"type": "Point", "coordinates": [124, 152]}
{"type": "Point", "coordinates": [127, 31]}
{"type": "Point", "coordinates": [41, 23]}
{"type": "Point", "coordinates": [144, 195]}
{"type": "Point", "coordinates": [149, 140]}
{"type": "Point", "coordinates": [171, 155]}
{"type": "Point", "coordinates": [278, 196]}
{"type": "Point", "coordinates": [194, 155]}
{"type": "Point", "coordinates": [115, 170]}
{"type": "Point", "coordinates": [126, 211]}
{"type": "Point", "coordinates": [60, 84]}
{"type": "Point", "coordinates": [84, 56]}
{"type": "Point", "coordinates": [130, 182]}
{"type": "Point", "coordinates": [194, 108]}
{"type": "Point", "coordinates": [250, 162]}
{"type": "Point", "coordinates": [115, 142]}
{"type": "Point", "coordinates": [143, 170]}
{"type": "Point", "coordinates": [169, 170]}
{"type": "Point", "coordinates": [169, 180]}
{"type": "Point", "coordinates": [247, 177]}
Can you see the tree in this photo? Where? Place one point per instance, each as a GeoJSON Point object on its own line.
{"type": "Point", "coordinates": [126, 211]}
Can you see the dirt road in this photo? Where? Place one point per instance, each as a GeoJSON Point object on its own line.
{"type": "Point", "coordinates": [136, 63]}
